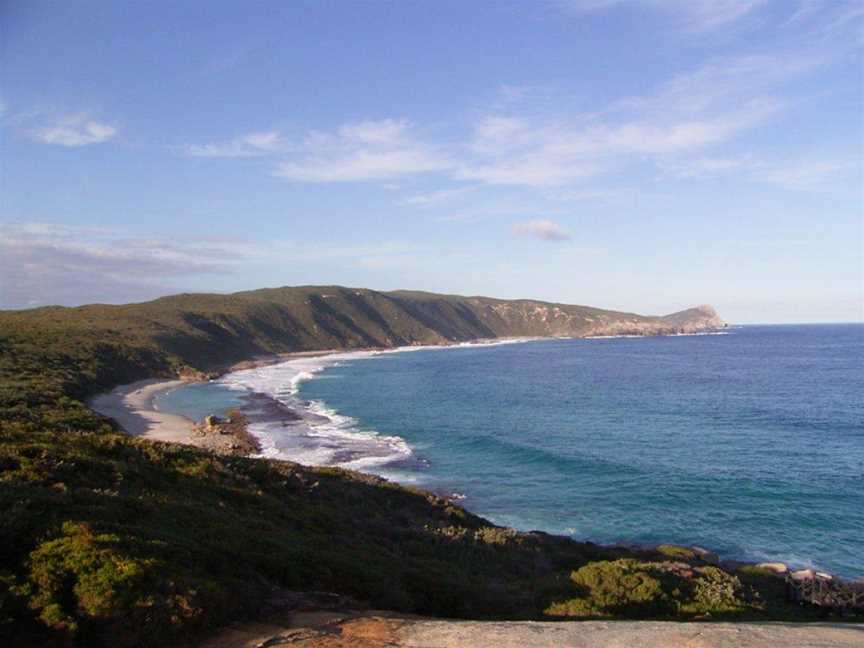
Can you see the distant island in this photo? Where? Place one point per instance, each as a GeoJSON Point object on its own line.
{"type": "Point", "coordinates": [112, 539]}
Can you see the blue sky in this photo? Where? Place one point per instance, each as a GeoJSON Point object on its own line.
{"type": "Point", "coordinates": [646, 155]}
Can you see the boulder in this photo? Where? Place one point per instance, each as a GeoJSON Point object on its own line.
{"type": "Point", "coordinates": [775, 567]}
{"type": "Point", "coordinates": [803, 574]}
{"type": "Point", "coordinates": [212, 421]}
{"type": "Point", "coordinates": [706, 556]}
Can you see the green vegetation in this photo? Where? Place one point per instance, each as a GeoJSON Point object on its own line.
{"type": "Point", "coordinates": [101, 531]}
{"type": "Point", "coordinates": [644, 588]}
{"type": "Point", "coordinates": [110, 540]}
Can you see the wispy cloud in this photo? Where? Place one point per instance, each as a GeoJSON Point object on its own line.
{"type": "Point", "coordinates": [545, 230]}
{"type": "Point", "coordinates": [802, 174]}
{"type": "Point", "coordinates": [829, 18]}
{"type": "Point", "coordinates": [689, 15]}
{"type": "Point", "coordinates": [798, 174]}
{"type": "Point", "coordinates": [580, 195]}
{"type": "Point", "coordinates": [249, 145]}
{"type": "Point", "coordinates": [553, 153]}
{"type": "Point", "coordinates": [73, 131]}
{"type": "Point", "coordinates": [366, 150]}
{"type": "Point", "coordinates": [435, 197]}
{"type": "Point", "coordinates": [511, 150]}
{"type": "Point", "coordinates": [48, 263]}
{"type": "Point", "coordinates": [45, 263]}
{"type": "Point", "coordinates": [513, 144]}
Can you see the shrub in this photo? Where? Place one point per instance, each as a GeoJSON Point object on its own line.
{"type": "Point", "coordinates": [81, 572]}
{"type": "Point", "coordinates": [715, 591]}
{"type": "Point", "coordinates": [676, 551]}
{"type": "Point", "coordinates": [621, 587]}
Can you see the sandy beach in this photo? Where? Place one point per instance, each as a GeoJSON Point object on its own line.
{"type": "Point", "coordinates": [132, 407]}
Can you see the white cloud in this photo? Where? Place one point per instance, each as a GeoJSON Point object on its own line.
{"type": "Point", "coordinates": [545, 230]}
{"type": "Point", "coordinates": [366, 150]}
{"type": "Point", "coordinates": [249, 145]}
{"type": "Point", "coordinates": [74, 131]}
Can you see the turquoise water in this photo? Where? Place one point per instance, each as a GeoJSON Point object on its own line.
{"type": "Point", "coordinates": [751, 443]}
{"type": "Point", "coordinates": [197, 400]}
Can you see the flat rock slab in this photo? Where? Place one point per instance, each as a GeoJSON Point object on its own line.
{"type": "Point", "coordinates": [379, 630]}
{"type": "Point", "coordinates": [628, 634]}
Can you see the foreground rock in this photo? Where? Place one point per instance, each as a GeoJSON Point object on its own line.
{"type": "Point", "coordinates": [331, 629]}
{"type": "Point", "coordinates": [644, 634]}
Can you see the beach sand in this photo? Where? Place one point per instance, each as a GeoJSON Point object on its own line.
{"type": "Point", "coordinates": [132, 407]}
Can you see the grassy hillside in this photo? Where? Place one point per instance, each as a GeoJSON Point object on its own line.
{"type": "Point", "coordinates": [109, 540]}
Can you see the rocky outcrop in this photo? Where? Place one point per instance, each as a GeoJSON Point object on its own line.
{"type": "Point", "coordinates": [697, 319]}
{"type": "Point", "coordinates": [228, 436]}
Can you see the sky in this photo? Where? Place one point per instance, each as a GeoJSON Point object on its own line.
{"type": "Point", "coordinates": [641, 155]}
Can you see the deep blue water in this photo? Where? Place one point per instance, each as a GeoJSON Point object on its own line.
{"type": "Point", "coordinates": [751, 443]}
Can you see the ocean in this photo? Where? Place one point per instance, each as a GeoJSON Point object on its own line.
{"type": "Point", "coordinates": [749, 442]}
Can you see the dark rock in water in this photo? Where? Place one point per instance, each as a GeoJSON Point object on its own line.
{"type": "Point", "coordinates": [261, 408]}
